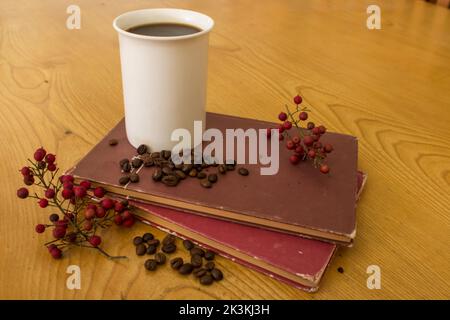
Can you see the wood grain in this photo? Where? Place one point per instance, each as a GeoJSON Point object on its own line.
{"type": "Point", "coordinates": [61, 89]}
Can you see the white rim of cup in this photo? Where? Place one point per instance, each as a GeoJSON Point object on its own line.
{"type": "Point", "coordinates": [139, 36]}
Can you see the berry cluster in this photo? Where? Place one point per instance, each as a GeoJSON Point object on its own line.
{"type": "Point", "coordinates": [82, 209]}
{"type": "Point", "coordinates": [305, 142]}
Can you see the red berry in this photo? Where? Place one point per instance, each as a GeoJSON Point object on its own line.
{"type": "Point", "coordinates": [128, 223]}
{"type": "Point", "coordinates": [53, 217]}
{"type": "Point", "coordinates": [95, 241]}
{"type": "Point", "coordinates": [118, 207]}
{"type": "Point", "coordinates": [51, 247]}
{"type": "Point", "coordinates": [66, 178]}
{"type": "Point", "coordinates": [39, 154]}
{"type": "Point", "coordinates": [50, 158]}
{"type": "Point", "coordinates": [328, 148]}
{"type": "Point", "coordinates": [107, 204]}
{"type": "Point", "coordinates": [50, 193]}
{"type": "Point", "coordinates": [59, 232]}
{"type": "Point", "coordinates": [308, 141]}
{"type": "Point", "coordinates": [298, 99]}
{"type": "Point", "coordinates": [315, 137]}
{"type": "Point", "coordinates": [67, 193]}
{"type": "Point", "coordinates": [72, 237]}
{"type": "Point", "coordinates": [87, 225]}
{"type": "Point", "coordinates": [127, 215]}
{"type": "Point", "coordinates": [86, 184]}
{"type": "Point", "coordinates": [296, 139]}
{"type": "Point", "coordinates": [311, 154]}
{"type": "Point", "coordinates": [99, 192]}
{"type": "Point", "coordinates": [61, 223]}
{"type": "Point", "coordinates": [294, 159]}
{"type": "Point", "coordinates": [89, 213]}
{"type": "Point", "coordinates": [79, 191]}
{"type": "Point", "coordinates": [322, 129]}
{"type": "Point", "coordinates": [25, 171]}
{"type": "Point", "coordinates": [282, 116]}
{"type": "Point", "coordinates": [100, 212]}
{"type": "Point", "coordinates": [324, 169]}
{"type": "Point", "coordinates": [303, 116]}
{"type": "Point", "coordinates": [22, 193]}
{"type": "Point", "coordinates": [299, 150]}
{"type": "Point", "coordinates": [290, 145]}
{"type": "Point", "coordinates": [316, 130]}
{"type": "Point", "coordinates": [118, 220]}
{"type": "Point", "coordinates": [51, 167]}
{"type": "Point", "coordinates": [40, 228]}
{"type": "Point", "coordinates": [56, 253]}
{"type": "Point", "coordinates": [28, 180]}
{"type": "Point", "coordinates": [68, 185]}
{"type": "Point", "coordinates": [43, 203]}
{"type": "Point", "coordinates": [280, 137]}
{"type": "Point", "coordinates": [287, 125]}
{"type": "Point", "coordinates": [318, 145]}
{"type": "Point", "coordinates": [280, 128]}
{"type": "Point", "coordinates": [310, 125]}
{"type": "Point", "coordinates": [91, 206]}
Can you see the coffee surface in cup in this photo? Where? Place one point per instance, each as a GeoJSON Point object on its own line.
{"type": "Point", "coordinates": [164, 29]}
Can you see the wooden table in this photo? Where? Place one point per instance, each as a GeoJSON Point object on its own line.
{"type": "Point", "coordinates": [61, 89]}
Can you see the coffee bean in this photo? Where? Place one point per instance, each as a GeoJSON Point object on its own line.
{"type": "Point", "coordinates": [196, 261]}
{"type": "Point", "coordinates": [193, 173]}
{"type": "Point", "coordinates": [147, 237]}
{"type": "Point", "coordinates": [243, 172]}
{"type": "Point", "coordinates": [198, 251]}
{"type": "Point", "coordinates": [136, 163]}
{"type": "Point", "coordinates": [169, 239]}
{"type": "Point", "coordinates": [205, 183]}
{"type": "Point", "coordinates": [201, 175]}
{"type": "Point", "coordinates": [170, 181]}
{"type": "Point", "coordinates": [153, 242]}
{"type": "Point", "coordinates": [141, 249]}
{"type": "Point", "coordinates": [148, 163]}
{"type": "Point", "coordinates": [123, 161]}
{"type": "Point", "coordinates": [134, 178]}
{"type": "Point", "coordinates": [206, 280]}
{"type": "Point", "coordinates": [187, 168]}
{"type": "Point", "coordinates": [230, 167]}
{"type": "Point", "coordinates": [155, 155]}
{"type": "Point", "coordinates": [142, 149]}
{"type": "Point", "coordinates": [137, 241]}
{"type": "Point", "coordinates": [212, 178]}
{"type": "Point", "coordinates": [124, 180]}
{"type": "Point", "coordinates": [160, 258]}
{"type": "Point", "coordinates": [176, 263]}
{"type": "Point", "coordinates": [126, 167]}
{"type": "Point", "coordinates": [151, 264]}
{"type": "Point", "coordinates": [166, 154]}
{"type": "Point", "coordinates": [222, 169]}
{"type": "Point", "coordinates": [210, 265]}
{"type": "Point", "coordinates": [209, 255]}
{"type": "Point", "coordinates": [200, 272]}
{"type": "Point", "coordinates": [113, 142]}
{"type": "Point", "coordinates": [180, 174]}
{"type": "Point", "coordinates": [151, 249]}
{"type": "Point", "coordinates": [167, 171]}
{"type": "Point", "coordinates": [217, 274]}
{"type": "Point", "coordinates": [188, 244]}
{"type": "Point", "coordinates": [169, 248]}
{"type": "Point", "coordinates": [157, 174]}
{"type": "Point", "coordinates": [186, 268]}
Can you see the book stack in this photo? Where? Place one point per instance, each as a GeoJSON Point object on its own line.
{"type": "Point", "coordinates": [287, 225]}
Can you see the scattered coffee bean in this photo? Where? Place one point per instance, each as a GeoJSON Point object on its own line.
{"type": "Point", "coordinates": [137, 241]}
{"type": "Point", "coordinates": [123, 161]}
{"type": "Point", "coordinates": [153, 242]}
{"type": "Point", "coordinates": [243, 172]}
{"type": "Point", "coordinates": [168, 239]}
{"type": "Point", "coordinates": [170, 181]}
{"type": "Point", "coordinates": [230, 167]}
{"type": "Point", "coordinates": [340, 270]}
{"type": "Point", "coordinates": [148, 162]}
{"type": "Point", "coordinates": [151, 264]}
{"type": "Point", "coordinates": [157, 174]}
{"type": "Point", "coordinates": [147, 237]}
{"type": "Point", "coordinates": [210, 265]}
{"type": "Point", "coordinates": [113, 142]}
{"type": "Point", "coordinates": [205, 183]}
{"type": "Point", "coordinates": [209, 255]}
{"type": "Point", "coordinates": [136, 163]}
{"type": "Point", "coordinates": [197, 250]}
{"type": "Point", "coordinates": [206, 280]}
{"type": "Point", "coordinates": [155, 155]}
{"type": "Point", "coordinates": [134, 177]}
{"type": "Point", "coordinates": [200, 272]}
{"type": "Point", "coordinates": [142, 149]}
{"type": "Point", "coordinates": [186, 268]}
{"type": "Point", "coordinates": [124, 180]}
{"type": "Point", "coordinates": [180, 174]}
{"type": "Point", "coordinates": [141, 249]}
{"type": "Point", "coordinates": [222, 169]}
{"type": "Point", "coordinates": [201, 175]}
{"type": "Point", "coordinates": [196, 261]}
{"type": "Point", "coordinates": [167, 171]}
{"type": "Point", "coordinates": [188, 244]}
{"type": "Point", "coordinates": [176, 263]}
{"type": "Point", "coordinates": [187, 168]}
{"type": "Point", "coordinates": [169, 248]}
{"type": "Point", "coordinates": [151, 249]}
{"type": "Point", "coordinates": [166, 154]}
{"type": "Point", "coordinates": [217, 274]}
{"type": "Point", "coordinates": [193, 173]}
{"type": "Point", "coordinates": [160, 258]}
{"type": "Point", "coordinates": [126, 167]}
{"type": "Point", "coordinates": [212, 178]}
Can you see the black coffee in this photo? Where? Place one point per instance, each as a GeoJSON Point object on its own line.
{"type": "Point", "coordinates": [164, 29]}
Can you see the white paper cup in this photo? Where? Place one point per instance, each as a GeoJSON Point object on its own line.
{"type": "Point", "coordinates": [163, 78]}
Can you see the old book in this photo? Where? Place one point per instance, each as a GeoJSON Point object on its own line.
{"type": "Point", "coordinates": [298, 199]}
{"type": "Point", "coordinates": [291, 259]}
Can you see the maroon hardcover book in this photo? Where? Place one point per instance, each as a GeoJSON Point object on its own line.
{"type": "Point", "coordinates": [291, 259]}
{"type": "Point", "coordinates": [325, 204]}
